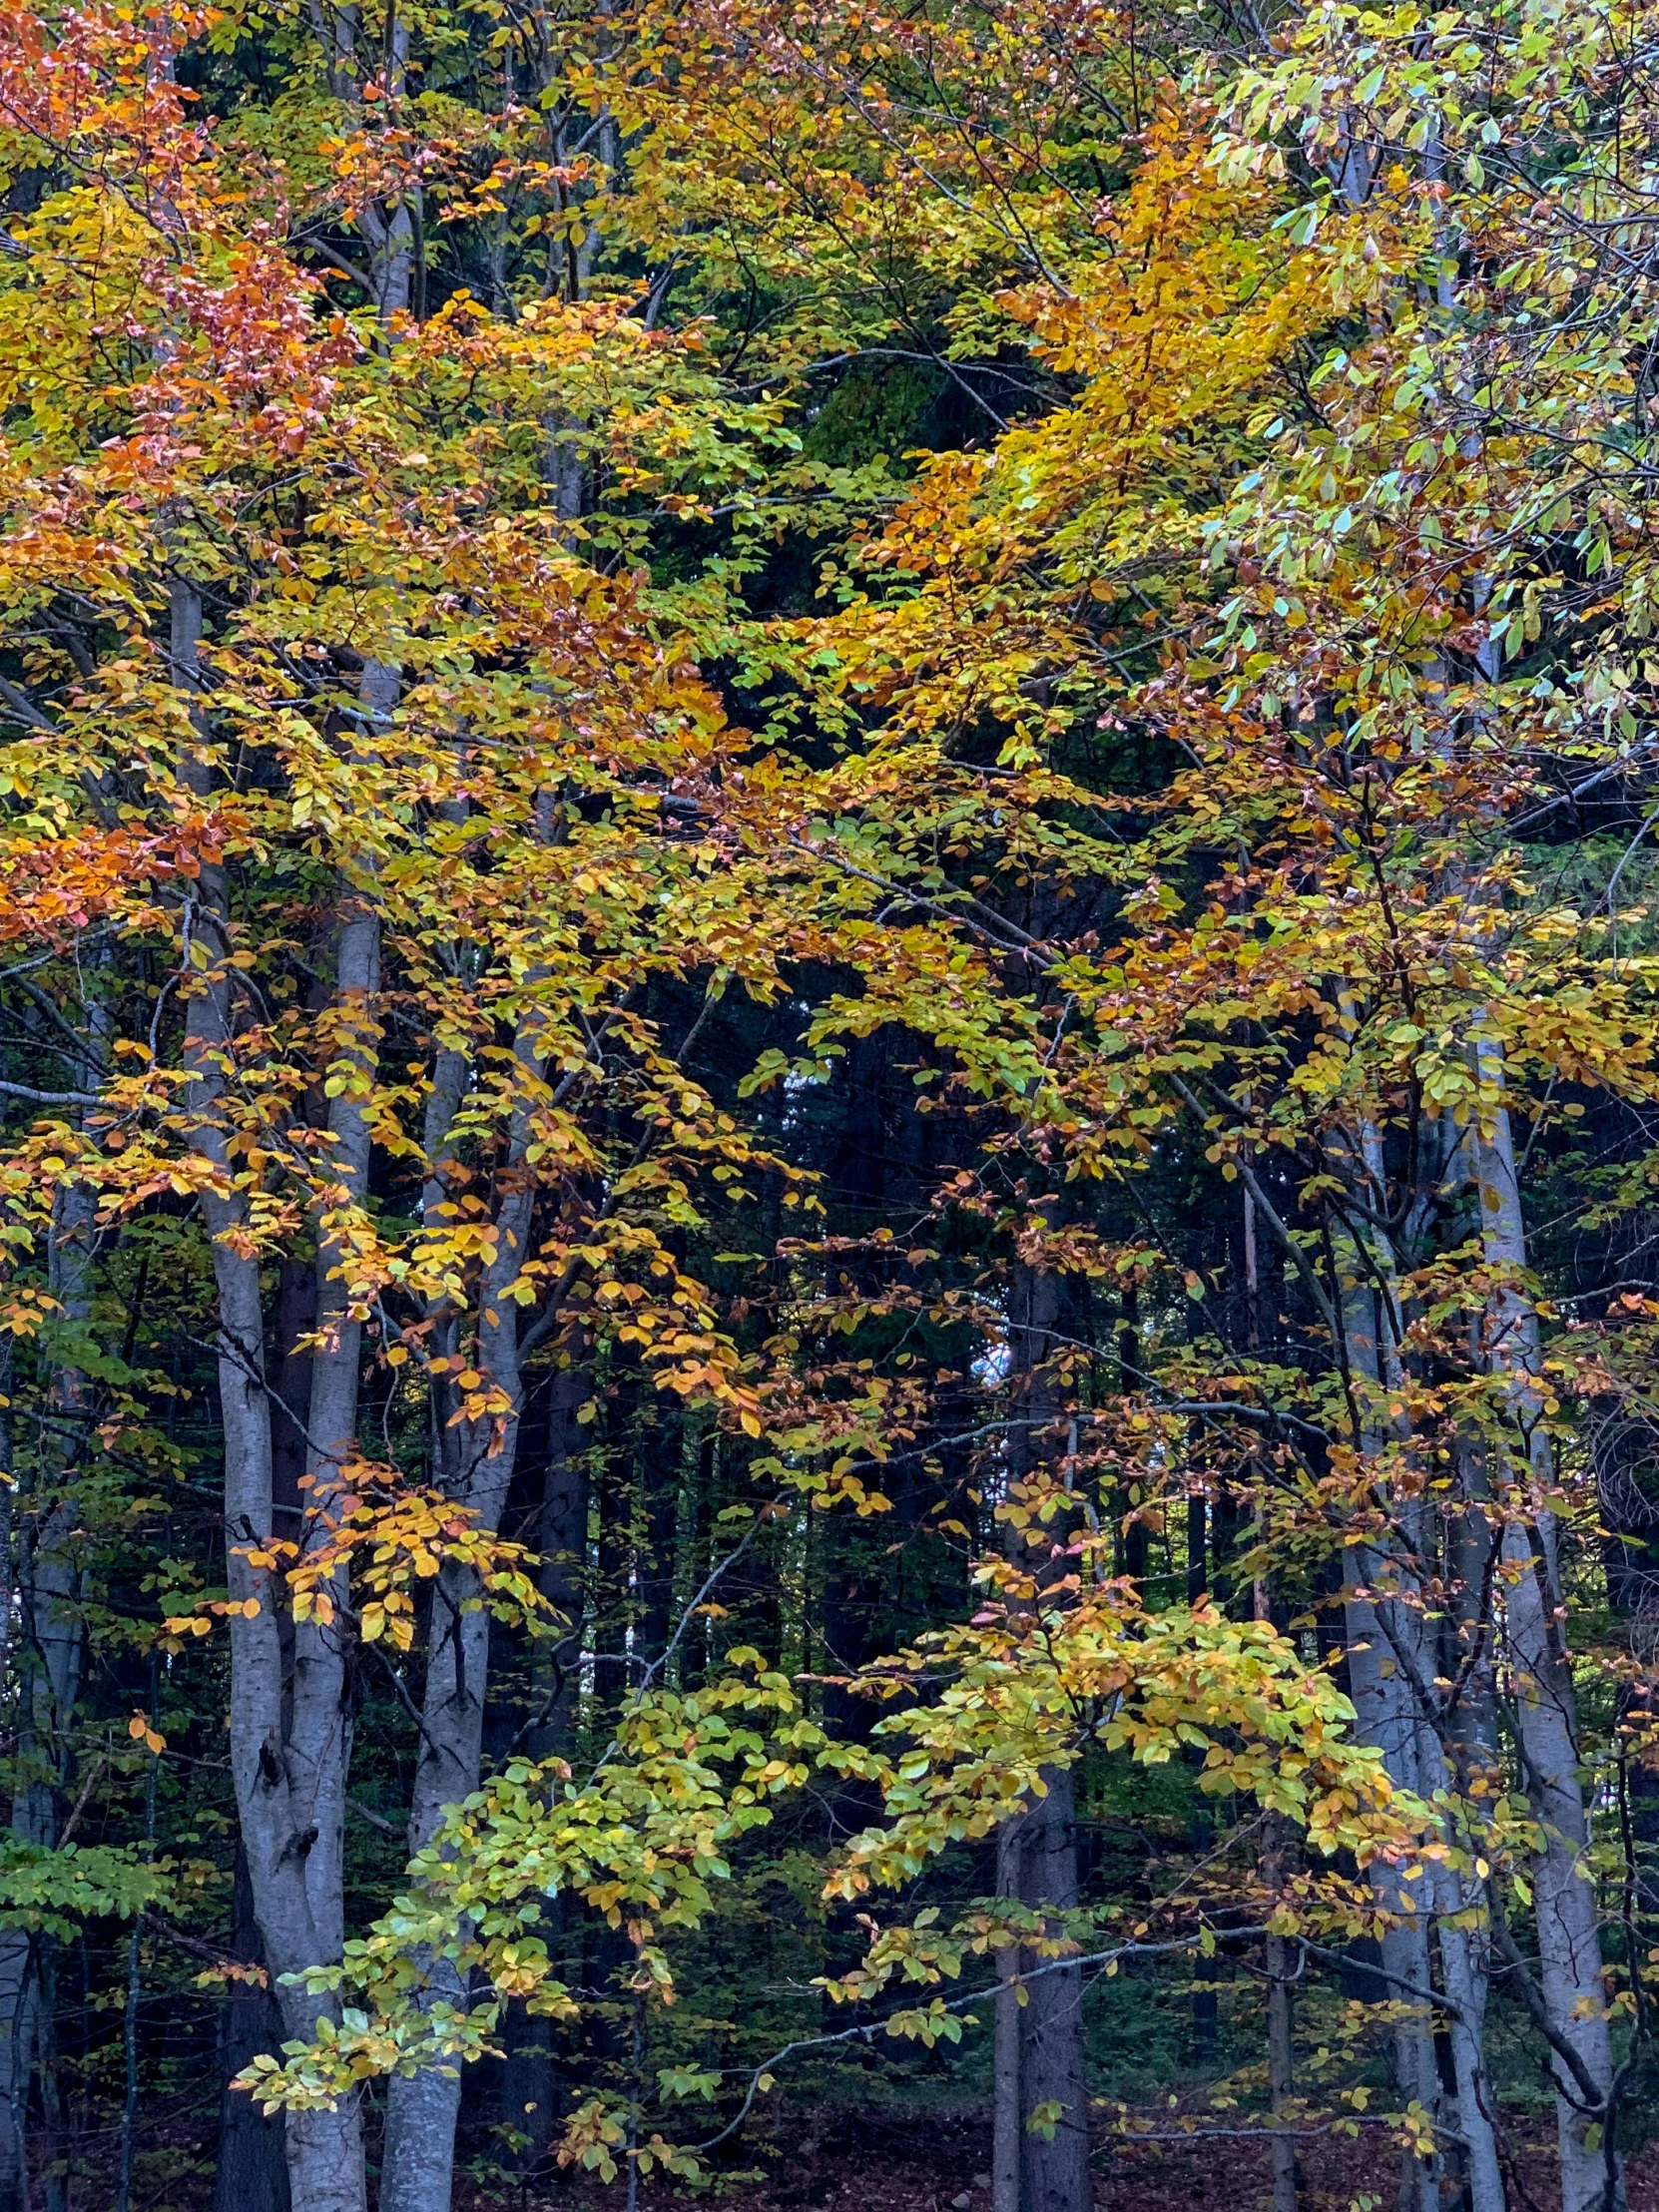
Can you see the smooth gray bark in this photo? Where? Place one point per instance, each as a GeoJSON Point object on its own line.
{"type": "Point", "coordinates": [388, 228]}
{"type": "Point", "coordinates": [1384, 1627]}
{"type": "Point", "coordinates": [1392, 1677]}
{"type": "Point", "coordinates": [1462, 1751]}
{"type": "Point", "coordinates": [1385, 1708]}
{"type": "Point", "coordinates": [477, 1464]}
{"type": "Point", "coordinates": [1545, 1709]}
{"type": "Point", "coordinates": [288, 1772]}
{"type": "Point", "coordinates": [1384, 1704]}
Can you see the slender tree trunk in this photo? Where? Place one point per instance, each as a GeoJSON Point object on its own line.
{"type": "Point", "coordinates": [1039, 2046]}
{"type": "Point", "coordinates": [1545, 1705]}
{"type": "Point", "coordinates": [1383, 1621]}
{"type": "Point", "coordinates": [49, 1583]}
{"type": "Point", "coordinates": [388, 228]}
{"type": "Point", "coordinates": [15, 2020]}
{"type": "Point", "coordinates": [319, 1746]}
{"type": "Point", "coordinates": [530, 2090]}
{"type": "Point", "coordinates": [1281, 1960]}
{"type": "Point", "coordinates": [17, 2023]}
{"type": "Point", "coordinates": [1464, 1977]}
{"type": "Point", "coordinates": [1391, 1673]}
{"type": "Point", "coordinates": [1386, 1716]}
{"type": "Point", "coordinates": [550, 1473]}
{"type": "Point", "coordinates": [1385, 1706]}
{"type": "Point", "coordinates": [1007, 2108]}
{"type": "Point", "coordinates": [54, 2114]}
{"type": "Point", "coordinates": [1462, 1752]}
{"type": "Point", "coordinates": [1054, 2160]}
{"type": "Point", "coordinates": [50, 1629]}
{"type": "Point", "coordinates": [422, 2107]}
{"type": "Point", "coordinates": [1282, 2074]}
{"type": "Point", "coordinates": [562, 1547]}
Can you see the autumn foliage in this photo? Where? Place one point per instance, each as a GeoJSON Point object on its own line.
{"type": "Point", "coordinates": [828, 1045]}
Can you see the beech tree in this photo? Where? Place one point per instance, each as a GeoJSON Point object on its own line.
{"type": "Point", "coordinates": [828, 1034]}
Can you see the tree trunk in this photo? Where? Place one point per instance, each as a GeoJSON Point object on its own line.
{"type": "Point", "coordinates": [49, 1626]}
{"type": "Point", "coordinates": [249, 2172]}
{"type": "Point", "coordinates": [388, 227]}
{"type": "Point", "coordinates": [1282, 2074]}
{"type": "Point", "coordinates": [1281, 2049]}
{"type": "Point", "coordinates": [530, 2090]}
{"type": "Point", "coordinates": [1391, 1673]}
{"type": "Point", "coordinates": [289, 1783]}
{"type": "Point", "coordinates": [1385, 1706]}
{"type": "Point", "coordinates": [1464, 1751]}
{"type": "Point", "coordinates": [1054, 2160]}
{"type": "Point", "coordinates": [1281, 1970]}
{"type": "Point", "coordinates": [422, 2108]}
{"type": "Point", "coordinates": [1382, 1624]}
{"type": "Point", "coordinates": [1545, 1704]}
{"type": "Point", "coordinates": [1008, 2110]}
{"type": "Point", "coordinates": [17, 2019]}
{"type": "Point", "coordinates": [1039, 2046]}
{"type": "Point", "coordinates": [561, 1544]}
{"type": "Point", "coordinates": [320, 1729]}
{"type": "Point", "coordinates": [15, 2054]}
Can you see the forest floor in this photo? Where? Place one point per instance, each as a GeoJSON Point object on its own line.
{"type": "Point", "coordinates": [934, 2162]}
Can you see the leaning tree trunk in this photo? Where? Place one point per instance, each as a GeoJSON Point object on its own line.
{"type": "Point", "coordinates": [1463, 1752]}
{"type": "Point", "coordinates": [1379, 1615]}
{"type": "Point", "coordinates": [1398, 1709]}
{"type": "Point", "coordinates": [1545, 1704]}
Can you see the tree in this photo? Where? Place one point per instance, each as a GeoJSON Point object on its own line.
{"type": "Point", "coordinates": [820, 821]}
